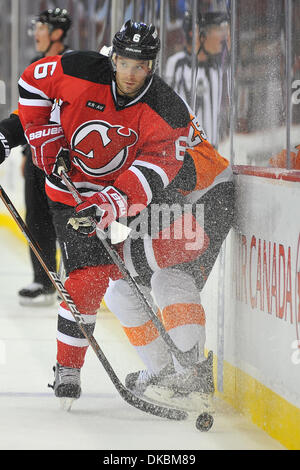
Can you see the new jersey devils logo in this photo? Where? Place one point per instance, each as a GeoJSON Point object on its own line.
{"type": "Point", "coordinates": [100, 147]}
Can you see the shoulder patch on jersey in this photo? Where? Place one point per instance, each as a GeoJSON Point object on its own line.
{"type": "Point", "coordinates": [87, 65]}
{"type": "Point", "coordinates": [167, 103]}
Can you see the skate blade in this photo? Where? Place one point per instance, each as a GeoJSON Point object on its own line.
{"type": "Point", "coordinates": [66, 403]}
{"type": "Point", "coordinates": [40, 301]}
{"type": "Point", "coordinates": [194, 402]}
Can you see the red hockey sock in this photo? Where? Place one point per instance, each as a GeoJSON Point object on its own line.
{"type": "Point", "coordinates": [86, 287]}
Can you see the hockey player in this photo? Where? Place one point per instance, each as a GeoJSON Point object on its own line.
{"type": "Point", "coordinates": [125, 130]}
{"type": "Point", "coordinates": [175, 270]}
{"type": "Point", "coordinates": [212, 41]}
{"type": "Point", "coordinates": [50, 29]}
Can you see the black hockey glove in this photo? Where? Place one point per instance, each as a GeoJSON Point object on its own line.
{"type": "Point", "coordinates": [4, 147]}
{"type": "Point", "coordinates": [11, 135]}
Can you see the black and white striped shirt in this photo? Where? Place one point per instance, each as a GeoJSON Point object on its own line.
{"type": "Point", "coordinates": [209, 89]}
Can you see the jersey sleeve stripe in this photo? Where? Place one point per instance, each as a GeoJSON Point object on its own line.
{"type": "Point", "coordinates": [32, 96]}
{"type": "Point", "coordinates": [155, 168]}
{"type": "Point", "coordinates": [143, 182]}
{"type": "Point", "coordinates": [127, 257]}
{"type": "Point", "coordinates": [84, 187]}
{"type": "Point", "coordinates": [31, 89]}
{"type": "Point", "coordinates": [29, 102]}
{"type": "Point", "coordinates": [149, 252]}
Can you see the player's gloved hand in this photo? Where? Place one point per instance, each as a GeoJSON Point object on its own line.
{"type": "Point", "coordinates": [83, 225]}
{"type": "Point", "coordinates": [46, 142]}
{"type": "Point", "coordinates": [103, 208]}
{"type": "Point", "coordinates": [4, 147]}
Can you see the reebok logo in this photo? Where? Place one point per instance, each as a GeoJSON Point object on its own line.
{"type": "Point", "coordinates": [94, 105]}
{"type": "Point", "coordinates": [45, 133]}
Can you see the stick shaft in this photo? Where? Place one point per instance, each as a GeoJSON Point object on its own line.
{"type": "Point", "coordinates": [126, 394]}
{"type": "Point", "coordinates": [184, 358]}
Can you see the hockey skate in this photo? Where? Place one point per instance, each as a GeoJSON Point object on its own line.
{"type": "Point", "coordinates": [37, 295]}
{"type": "Point", "coordinates": [191, 390]}
{"type": "Point", "coordinates": [66, 385]}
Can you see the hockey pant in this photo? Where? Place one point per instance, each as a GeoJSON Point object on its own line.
{"type": "Point", "coordinates": [175, 276]}
{"type": "Point", "coordinates": [176, 292]}
{"type": "Point", "coordinates": [172, 293]}
{"type": "Point", "coordinates": [174, 296]}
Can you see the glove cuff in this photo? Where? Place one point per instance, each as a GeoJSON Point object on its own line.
{"type": "Point", "coordinates": [117, 200]}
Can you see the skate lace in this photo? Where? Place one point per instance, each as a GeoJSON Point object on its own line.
{"type": "Point", "coordinates": [145, 376]}
{"type": "Point", "coordinates": [68, 375]}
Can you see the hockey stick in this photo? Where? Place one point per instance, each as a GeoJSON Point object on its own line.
{"type": "Point", "coordinates": [184, 358]}
{"type": "Point", "coordinates": [127, 395]}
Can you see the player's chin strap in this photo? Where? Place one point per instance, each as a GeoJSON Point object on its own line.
{"type": "Point", "coordinates": [184, 358]}
{"type": "Point", "coordinates": [49, 47]}
{"type": "Point", "coordinates": [126, 394]}
{"type": "Point", "coordinates": [51, 42]}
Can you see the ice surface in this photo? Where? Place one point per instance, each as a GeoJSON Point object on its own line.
{"type": "Point", "coordinates": [100, 419]}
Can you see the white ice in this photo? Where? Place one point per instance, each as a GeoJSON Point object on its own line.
{"type": "Point", "coordinates": [100, 419]}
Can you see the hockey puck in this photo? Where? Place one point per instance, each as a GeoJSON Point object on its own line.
{"type": "Point", "coordinates": [204, 422]}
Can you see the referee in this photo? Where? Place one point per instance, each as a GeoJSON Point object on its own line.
{"type": "Point", "coordinates": [211, 74]}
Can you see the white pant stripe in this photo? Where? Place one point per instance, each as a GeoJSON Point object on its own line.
{"type": "Point", "coordinates": [77, 342]}
{"type": "Point", "coordinates": [88, 319]}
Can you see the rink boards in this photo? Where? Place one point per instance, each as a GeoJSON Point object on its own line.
{"type": "Point", "coordinates": [261, 374]}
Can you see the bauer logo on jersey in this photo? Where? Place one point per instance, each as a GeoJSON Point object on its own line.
{"type": "Point", "coordinates": [101, 148]}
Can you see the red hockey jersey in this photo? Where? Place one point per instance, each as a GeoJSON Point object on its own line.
{"type": "Point", "coordinates": [138, 147]}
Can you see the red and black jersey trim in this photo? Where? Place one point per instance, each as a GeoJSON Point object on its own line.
{"type": "Point", "coordinates": [96, 68]}
{"type": "Point", "coordinates": [186, 178]}
{"type": "Point", "coordinates": [58, 184]}
{"type": "Point", "coordinates": [153, 179]}
{"type": "Point", "coordinates": [30, 95]}
{"type": "Point", "coordinates": [87, 65]}
{"type": "Point", "coordinates": [167, 104]}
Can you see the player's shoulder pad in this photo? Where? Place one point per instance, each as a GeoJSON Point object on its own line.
{"type": "Point", "coordinates": [167, 103]}
{"type": "Point", "coordinates": [87, 65]}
